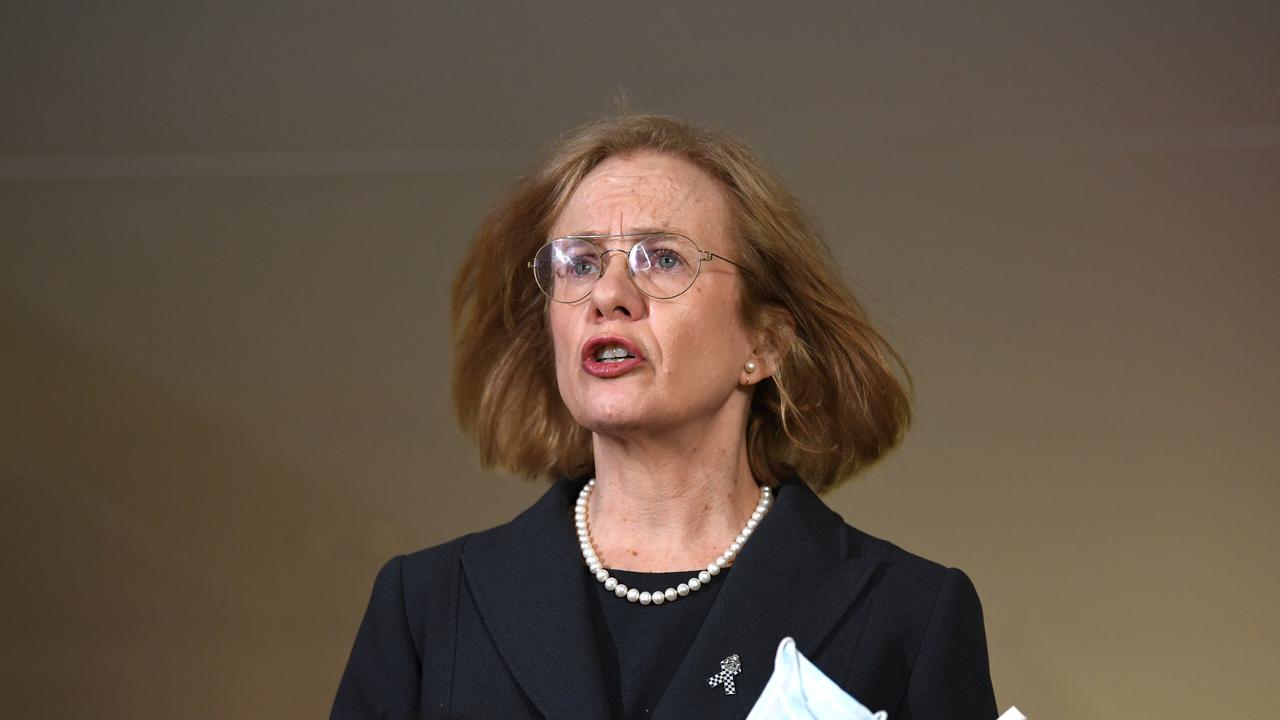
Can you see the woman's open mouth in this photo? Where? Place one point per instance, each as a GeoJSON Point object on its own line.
{"type": "Point", "coordinates": [610, 356]}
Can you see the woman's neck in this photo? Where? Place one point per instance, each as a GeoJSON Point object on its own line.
{"type": "Point", "coordinates": [669, 503]}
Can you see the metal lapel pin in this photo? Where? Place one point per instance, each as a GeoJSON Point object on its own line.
{"type": "Point", "coordinates": [729, 667]}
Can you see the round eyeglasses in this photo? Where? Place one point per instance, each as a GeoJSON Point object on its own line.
{"type": "Point", "coordinates": [662, 265]}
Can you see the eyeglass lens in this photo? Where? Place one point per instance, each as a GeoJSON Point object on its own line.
{"type": "Point", "coordinates": [662, 266]}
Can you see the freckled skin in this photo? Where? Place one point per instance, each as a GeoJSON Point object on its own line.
{"type": "Point", "coordinates": [668, 437]}
{"type": "Point", "coordinates": [695, 344]}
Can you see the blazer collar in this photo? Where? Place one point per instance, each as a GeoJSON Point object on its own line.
{"type": "Point", "coordinates": [793, 578]}
{"type": "Point", "coordinates": [526, 577]}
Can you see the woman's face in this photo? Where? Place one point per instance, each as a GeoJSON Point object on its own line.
{"type": "Point", "coordinates": [690, 350]}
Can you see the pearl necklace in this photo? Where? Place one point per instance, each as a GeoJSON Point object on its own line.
{"type": "Point", "coordinates": [671, 594]}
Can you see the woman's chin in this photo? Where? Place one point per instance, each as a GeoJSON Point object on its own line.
{"type": "Point", "coordinates": [617, 418]}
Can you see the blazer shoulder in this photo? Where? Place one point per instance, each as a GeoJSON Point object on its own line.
{"type": "Point", "coordinates": [928, 611]}
{"type": "Point", "coordinates": [432, 570]}
{"type": "Point", "coordinates": [908, 585]}
{"type": "Point", "coordinates": [428, 582]}
{"type": "Point", "coordinates": [435, 569]}
{"type": "Point", "coordinates": [925, 625]}
{"type": "Point", "coordinates": [434, 561]}
{"type": "Point", "coordinates": [905, 566]}
{"type": "Point", "coordinates": [390, 661]}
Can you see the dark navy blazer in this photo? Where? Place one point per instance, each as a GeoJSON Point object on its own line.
{"type": "Point", "coordinates": [497, 625]}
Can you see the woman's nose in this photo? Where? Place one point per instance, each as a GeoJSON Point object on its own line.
{"type": "Point", "coordinates": [615, 294]}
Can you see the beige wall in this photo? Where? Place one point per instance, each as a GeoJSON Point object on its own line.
{"type": "Point", "coordinates": [226, 240]}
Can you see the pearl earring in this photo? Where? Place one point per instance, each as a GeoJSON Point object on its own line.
{"type": "Point", "coordinates": [751, 366]}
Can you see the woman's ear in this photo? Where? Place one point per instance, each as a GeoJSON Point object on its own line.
{"type": "Point", "coordinates": [774, 332]}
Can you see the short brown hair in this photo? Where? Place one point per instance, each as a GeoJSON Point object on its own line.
{"type": "Point", "coordinates": [839, 398]}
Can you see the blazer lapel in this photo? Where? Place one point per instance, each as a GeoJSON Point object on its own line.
{"type": "Point", "coordinates": [527, 580]}
{"type": "Point", "coordinates": [793, 578]}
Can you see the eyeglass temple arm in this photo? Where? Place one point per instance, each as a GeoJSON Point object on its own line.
{"type": "Point", "coordinates": [708, 255]}
{"type": "Point", "coordinates": [704, 255]}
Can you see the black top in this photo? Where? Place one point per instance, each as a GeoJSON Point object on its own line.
{"type": "Point", "coordinates": [498, 624]}
{"type": "Point", "coordinates": [641, 646]}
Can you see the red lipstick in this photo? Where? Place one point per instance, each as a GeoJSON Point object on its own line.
{"type": "Point", "coordinates": [621, 356]}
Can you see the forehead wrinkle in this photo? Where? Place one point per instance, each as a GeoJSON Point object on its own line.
{"type": "Point", "coordinates": [644, 215]}
{"type": "Point", "coordinates": [659, 205]}
{"type": "Point", "coordinates": [649, 198]}
{"type": "Point", "coordinates": [655, 184]}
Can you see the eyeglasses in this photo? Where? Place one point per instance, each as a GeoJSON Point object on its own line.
{"type": "Point", "coordinates": [663, 265]}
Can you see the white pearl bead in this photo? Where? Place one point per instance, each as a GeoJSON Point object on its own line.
{"type": "Point", "coordinates": [670, 594]}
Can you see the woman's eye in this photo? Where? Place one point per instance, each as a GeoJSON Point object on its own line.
{"type": "Point", "coordinates": [576, 268]}
{"type": "Point", "coordinates": [668, 261]}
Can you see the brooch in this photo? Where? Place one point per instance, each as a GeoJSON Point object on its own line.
{"type": "Point", "coordinates": [729, 667]}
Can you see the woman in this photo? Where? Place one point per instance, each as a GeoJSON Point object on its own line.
{"type": "Point", "coordinates": [650, 318]}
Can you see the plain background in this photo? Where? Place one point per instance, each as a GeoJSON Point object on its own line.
{"type": "Point", "coordinates": [227, 233]}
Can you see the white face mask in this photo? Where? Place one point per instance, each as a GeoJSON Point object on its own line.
{"type": "Point", "coordinates": [798, 690]}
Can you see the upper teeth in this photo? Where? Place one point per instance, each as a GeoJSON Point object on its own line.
{"type": "Point", "coordinates": [612, 352]}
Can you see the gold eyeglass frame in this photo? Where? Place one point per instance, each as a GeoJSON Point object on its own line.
{"type": "Point", "coordinates": [701, 255]}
